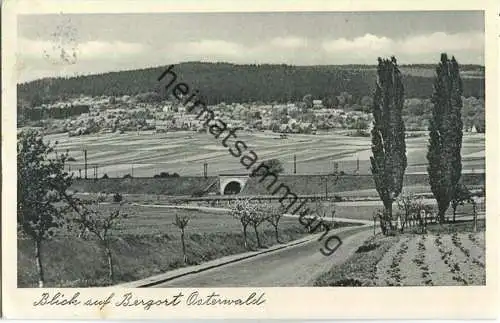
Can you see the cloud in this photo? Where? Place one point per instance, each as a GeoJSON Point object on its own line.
{"type": "Point", "coordinates": [100, 56]}
{"type": "Point", "coordinates": [367, 42]}
{"type": "Point", "coordinates": [28, 48]}
{"type": "Point", "coordinates": [419, 48]}
{"type": "Point", "coordinates": [43, 58]}
{"type": "Point", "coordinates": [289, 42]}
{"type": "Point", "coordinates": [98, 49]}
{"type": "Point", "coordinates": [442, 42]}
{"type": "Point", "coordinates": [210, 47]}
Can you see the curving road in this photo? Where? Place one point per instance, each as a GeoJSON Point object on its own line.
{"type": "Point", "coordinates": [294, 266]}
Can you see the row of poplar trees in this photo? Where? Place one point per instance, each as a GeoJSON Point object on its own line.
{"type": "Point", "coordinates": [389, 161]}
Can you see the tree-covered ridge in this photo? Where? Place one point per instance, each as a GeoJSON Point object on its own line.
{"type": "Point", "coordinates": [223, 82]}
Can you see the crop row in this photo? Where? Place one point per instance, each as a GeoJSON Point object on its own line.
{"type": "Point", "coordinates": [448, 259]}
{"type": "Point", "coordinates": [394, 271]}
{"type": "Point", "coordinates": [419, 260]}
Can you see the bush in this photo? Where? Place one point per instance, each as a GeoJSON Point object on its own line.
{"type": "Point", "coordinates": [367, 247]}
{"type": "Point", "coordinates": [105, 176]}
{"type": "Point", "coordinates": [166, 175]}
{"type": "Point", "coordinates": [338, 198]}
{"type": "Point", "coordinates": [349, 282]}
{"type": "Point", "coordinates": [117, 198]}
{"type": "Point", "coordinates": [198, 193]}
{"type": "Point", "coordinates": [127, 176]}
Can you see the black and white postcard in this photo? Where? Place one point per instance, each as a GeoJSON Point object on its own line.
{"type": "Point", "coordinates": [260, 159]}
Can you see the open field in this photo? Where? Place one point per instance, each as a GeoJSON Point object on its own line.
{"type": "Point", "coordinates": [451, 255]}
{"type": "Point", "coordinates": [145, 154]}
{"type": "Point", "coordinates": [146, 243]}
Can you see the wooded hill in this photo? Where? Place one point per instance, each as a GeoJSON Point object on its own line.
{"type": "Point", "coordinates": [223, 82]}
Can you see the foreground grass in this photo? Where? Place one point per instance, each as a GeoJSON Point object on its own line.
{"type": "Point", "coordinates": [360, 268]}
{"type": "Point", "coordinates": [74, 262]}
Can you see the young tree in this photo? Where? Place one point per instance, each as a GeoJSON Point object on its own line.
{"type": "Point", "coordinates": [462, 194]}
{"type": "Point", "coordinates": [322, 211]}
{"type": "Point", "coordinates": [100, 221]}
{"type": "Point", "coordinates": [409, 205]}
{"type": "Point", "coordinates": [274, 215]}
{"type": "Point", "coordinates": [181, 221]}
{"type": "Point", "coordinates": [42, 184]}
{"type": "Point", "coordinates": [257, 216]}
{"type": "Point", "coordinates": [240, 210]}
{"type": "Point", "coordinates": [388, 162]}
{"type": "Point", "coordinates": [445, 134]}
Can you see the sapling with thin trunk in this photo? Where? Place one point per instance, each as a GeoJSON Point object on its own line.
{"type": "Point", "coordinates": [181, 221]}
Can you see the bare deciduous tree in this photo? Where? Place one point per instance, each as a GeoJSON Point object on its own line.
{"type": "Point", "coordinates": [181, 221]}
{"type": "Point", "coordinates": [240, 210]}
{"type": "Point", "coordinates": [258, 215]}
{"type": "Point", "coordinates": [407, 204]}
{"type": "Point", "coordinates": [100, 222]}
{"type": "Point", "coordinates": [274, 215]}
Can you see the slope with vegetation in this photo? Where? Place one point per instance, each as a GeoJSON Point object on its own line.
{"type": "Point", "coordinates": [223, 82]}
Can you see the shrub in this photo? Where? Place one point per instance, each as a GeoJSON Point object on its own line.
{"type": "Point", "coordinates": [349, 282]}
{"type": "Point", "coordinates": [198, 193]}
{"type": "Point", "coordinates": [117, 198]}
{"type": "Point", "coordinates": [366, 248]}
{"type": "Point", "coordinates": [338, 198]}
{"type": "Point", "coordinates": [105, 176]}
{"type": "Point", "coordinates": [127, 176]}
{"type": "Point", "coordinates": [166, 175]}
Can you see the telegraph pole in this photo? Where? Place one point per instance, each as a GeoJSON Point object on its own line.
{"type": "Point", "coordinates": [294, 164]}
{"type": "Point", "coordinates": [205, 169]}
{"type": "Point", "coordinates": [85, 157]}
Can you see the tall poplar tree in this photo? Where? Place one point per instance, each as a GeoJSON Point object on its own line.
{"type": "Point", "coordinates": [388, 162]}
{"type": "Point", "coordinates": [445, 134]}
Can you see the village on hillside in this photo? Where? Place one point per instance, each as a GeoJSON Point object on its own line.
{"type": "Point", "coordinates": [89, 115]}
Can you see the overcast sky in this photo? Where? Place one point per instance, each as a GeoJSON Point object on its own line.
{"type": "Point", "coordinates": [57, 45]}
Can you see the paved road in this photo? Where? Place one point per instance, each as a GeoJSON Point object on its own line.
{"type": "Point", "coordinates": [295, 266]}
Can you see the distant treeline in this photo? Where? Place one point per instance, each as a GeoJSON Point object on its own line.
{"type": "Point", "coordinates": [40, 113]}
{"type": "Point", "coordinates": [223, 82]}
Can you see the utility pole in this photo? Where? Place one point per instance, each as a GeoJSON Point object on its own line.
{"type": "Point", "coordinates": [294, 164]}
{"type": "Point", "coordinates": [326, 187]}
{"type": "Point", "coordinates": [357, 165]}
{"type": "Point", "coordinates": [85, 157]}
{"type": "Point", "coordinates": [205, 169]}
